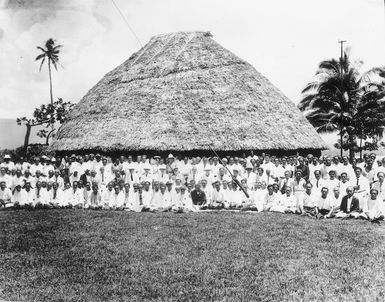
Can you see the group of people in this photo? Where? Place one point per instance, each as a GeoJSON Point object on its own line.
{"type": "Point", "coordinates": [323, 187]}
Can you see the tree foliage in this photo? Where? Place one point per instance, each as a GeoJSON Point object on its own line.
{"type": "Point", "coordinates": [344, 101]}
{"type": "Point", "coordinates": [45, 115]}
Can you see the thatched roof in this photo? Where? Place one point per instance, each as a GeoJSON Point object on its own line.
{"type": "Point", "coordinates": [150, 102]}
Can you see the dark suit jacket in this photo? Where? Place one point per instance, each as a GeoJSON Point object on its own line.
{"type": "Point", "coordinates": [305, 171]}
{"type": "Point", "coordinates": [354, 206]}
{"type": "Point", "coordinates": [198, 198]}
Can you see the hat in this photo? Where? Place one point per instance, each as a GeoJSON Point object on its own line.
{"type": "Point", "coordinates": [169, 182]}
{"type": "Point", "coordinates": [249, 165]}
{"type": "Point", "coordinates": [235, 169]}
{"type": "Point", "coordinates": [7, 156]}
{"type": "Point", "coordinates": [170, 156]}
{"type": "Point", "coordinates": [73, 156]}
{"type": "Point", "coordinates": [53, 159]}
{"type": "Point", "coordinates": [207, 169]}
{"type": "Point", "coordinates": [162, 167]}
{"type": "Point", "coordinates": [97, 155]}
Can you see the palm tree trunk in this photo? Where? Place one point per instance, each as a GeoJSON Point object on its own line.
{"type": "Point", "coordinates": [50, 80]}
{"type": "Point", "coordinates": [50, 86]}
{"type": "Point", "coordinates": [26, 138]}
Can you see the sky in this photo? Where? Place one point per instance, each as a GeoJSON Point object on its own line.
{"type": "Point", "coordinates": [284, 40]}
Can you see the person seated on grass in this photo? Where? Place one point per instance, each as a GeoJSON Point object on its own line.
{"type": "Point", "coordinates": [324, 204]}
{"type": "Point", "coordinates": [208, 190]}
{"type": "Point", "coordinates": [76, 197]}
{"type": "Point", "coordinates": [17, 197]}
{"type": "Point", "coordinates": [186, 201]}
{"type": "Point", "coordinates": [165, 204]}
{"type": "Point", "coordinates": [234, 196]}
{"type": "Point", "coordinates": [147, 194]}
{"type": "Point", "coordinates": [127, 193]}
{"type": "Point", "coordinates": [56, 196]}
{"type": "Point", "coordinates": [67, 195]}
{"type": "Point", "coordinates": [135, 200]}
{"type": "Point", "coordinates": [169, 194]}
{"type": "Point", "coordinates": [289, 202]}
{"type": "Point", "coordinates": [41, 196]}
{"type": "Point", "coordinates": [335, 202]}
{"type": "Point", "coordinates": [116, 200]}
{"type": "Point", "coordinates": [256, 200]}
{"type": "Point", "coordinates": [283, 202]}
{"type": "Point", "coordinates": [350, 205]}
{"type": "Point", "coordinates": [86, 194]}
{"type": "Point", "coordinates": [95, 198]}
{"type": "Point", "coordinates": [199, 197]}
{"type": "Point", "coordinates": [28, 200]}
{"type": "Point", "coordinates": [270, 198]}
{"type": "Point", "coordinates": [373, 208]}
{"type": "Point", "coordinates": [308, 205]}
{"type": "Point", "coordinates": [218, 199]}
{"type": "Point", "coordinates": [106, 195]}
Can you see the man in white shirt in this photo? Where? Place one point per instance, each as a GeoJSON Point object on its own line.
{"type": "Point", "coordinates": [56, 196]}
{"type": "Point", "coordinates": [116, 199]}
{"type": "Point", "coordinates": [270, 198]}
{"type": "Point", "coordinates": [28, 196]}
{"type": "Point", "coordinates": [217, 197]}
{"type": "Point", "coordinates": [373, 207]}
{"type": "Point", "coordinates": [324, 204]}
{"type": "Point", "coordinates": [332, 182]}
{"type": "Point", "coordinates": [5, 196]}
{"type": "Point", "coordinates": [308, 204]}
{"type": "Point", "coordinates": [360, 184]}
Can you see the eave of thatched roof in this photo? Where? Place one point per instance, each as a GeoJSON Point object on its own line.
{"type": "Point", "coordinates": [183, 91]}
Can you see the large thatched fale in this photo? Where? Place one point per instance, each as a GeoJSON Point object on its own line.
{"type": "Point", "coordinates": [183, 92]}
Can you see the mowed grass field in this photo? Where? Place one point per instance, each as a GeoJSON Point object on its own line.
{"type": "Point", "coordinates": [80, 255]}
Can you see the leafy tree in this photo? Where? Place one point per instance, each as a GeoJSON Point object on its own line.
{"type": "Point", "coordinates": [344, 101]}
{"type": "Point", "coordinates": [51, 54]}
{"type": "Point", "coordinates": [45, 115]}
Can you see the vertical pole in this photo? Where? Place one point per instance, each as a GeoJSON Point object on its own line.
{"type": "Point", "coordinates": [341, 75]}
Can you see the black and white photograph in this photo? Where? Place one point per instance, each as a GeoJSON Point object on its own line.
{"type": "Point", "coordinates": [192, 150]}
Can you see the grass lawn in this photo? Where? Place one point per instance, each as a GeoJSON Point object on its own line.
{"type": "Point", "coordinates": [76, 255]}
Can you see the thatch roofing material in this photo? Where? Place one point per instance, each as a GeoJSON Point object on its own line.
{"type": "Point", "coordinates": [149, 102]}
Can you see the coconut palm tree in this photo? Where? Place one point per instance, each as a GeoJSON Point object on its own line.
{"type": "Point", "coordinates": [51, 54]}
{"type": "Point", "coordinates": [344, 101]}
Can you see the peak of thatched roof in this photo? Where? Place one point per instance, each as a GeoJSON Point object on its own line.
{"type": "Point", "coordinates": [183, 91]}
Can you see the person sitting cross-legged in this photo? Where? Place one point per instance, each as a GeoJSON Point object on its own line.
{"type": "Point", "coordinates": [271, 198]}
{"type": "Point", "coordinates": [324, 204]}
{"type": "Point", "coordinates": [308, 205]}
{"type": "Point", "coordinates": [350, 205]}
{"type": "Point", "coordinates": [199, 197]}
{"type": "Point", "coordinates": [373, 207]}
{"type": "Point", "coordinates": [217, 197]}
{"type": "Point", "coordinates": [95, 198]}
